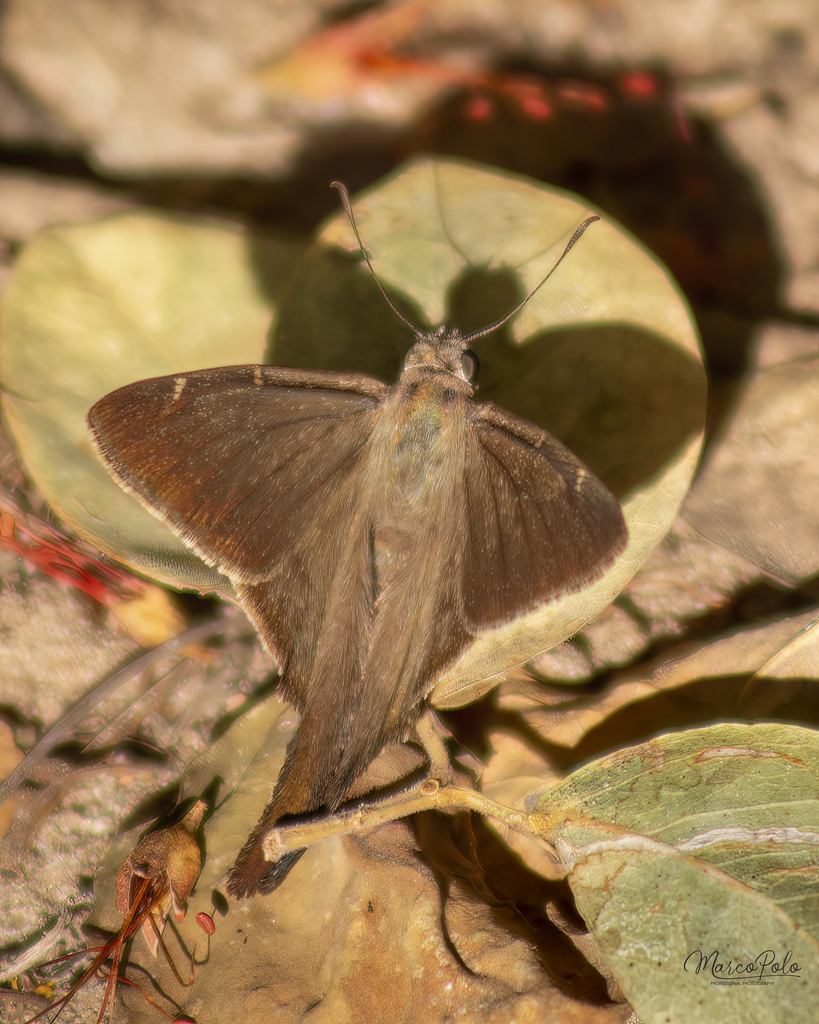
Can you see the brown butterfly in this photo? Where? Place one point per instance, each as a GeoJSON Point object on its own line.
{"type": "Point", "coordinates": [370, 531]}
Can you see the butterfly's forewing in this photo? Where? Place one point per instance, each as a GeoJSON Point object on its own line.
{"type": "Point", "coordinates": [252, 466]}
{"type": "Point", "coordinates": [538, 523]}
{"type": "Point", "coordinates": [236, 459]}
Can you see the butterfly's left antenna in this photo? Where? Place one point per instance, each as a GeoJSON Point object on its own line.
{"type": "Point", "coordinates": [348, 209]}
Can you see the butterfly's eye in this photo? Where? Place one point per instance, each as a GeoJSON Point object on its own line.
{"type": "Point", "coordinates": [470, 365]}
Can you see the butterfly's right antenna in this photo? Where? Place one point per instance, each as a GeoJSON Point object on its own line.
{"type": "Point", "coordinates": [345, 199]}
{"type": "Point", "coordinates": [499, 323]}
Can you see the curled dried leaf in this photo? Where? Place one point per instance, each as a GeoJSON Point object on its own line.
{"type": "Point", "coordinates": [158, 874]}
{"type": "Point", "coordinates": [169, 860]}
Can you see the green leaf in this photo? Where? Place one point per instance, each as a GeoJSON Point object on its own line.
{"type": "Point", "coordinates": [704, 840]}
{"type": "Point", "coordinates": [690, 945]}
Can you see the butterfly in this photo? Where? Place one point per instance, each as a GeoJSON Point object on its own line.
{"type": "Point", "coordinates": [371, 532]}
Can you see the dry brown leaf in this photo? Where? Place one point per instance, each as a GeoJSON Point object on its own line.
{"type": "Point", "coordinates": [30, 202]}
{"type": "Point", "coordinates": [151, 617]}
{"type": "Point", "coordinates": [136, 82]}
{"type": "Point", "coordinates": [763, 672]}
{"type": "Point", "coordinates": [759, 490]}
{"type": "Point", "coordinates": [686, 577]}
{"type": "Point", "coordinates": [354, 61]}
{"type": "Point", "coordinates": [779, 343]}
{"type": "Point", "coordinates": [390, 925]}
{"type": "Point", "coordinates": [362, 932]}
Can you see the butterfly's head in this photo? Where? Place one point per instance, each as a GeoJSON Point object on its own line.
{"type": "Point", "coordinates": [444, 351]}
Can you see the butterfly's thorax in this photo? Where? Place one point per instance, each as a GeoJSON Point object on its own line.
{"type": "Point", "coordinates": [418, 447]}
{"type": "Point", "coordinates": [420, 435]}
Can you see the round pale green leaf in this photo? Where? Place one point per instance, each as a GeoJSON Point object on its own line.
{"type": "Point", "coordinates": [605, 355]}
{"type": "Point", "coordinates": [92, 307]}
